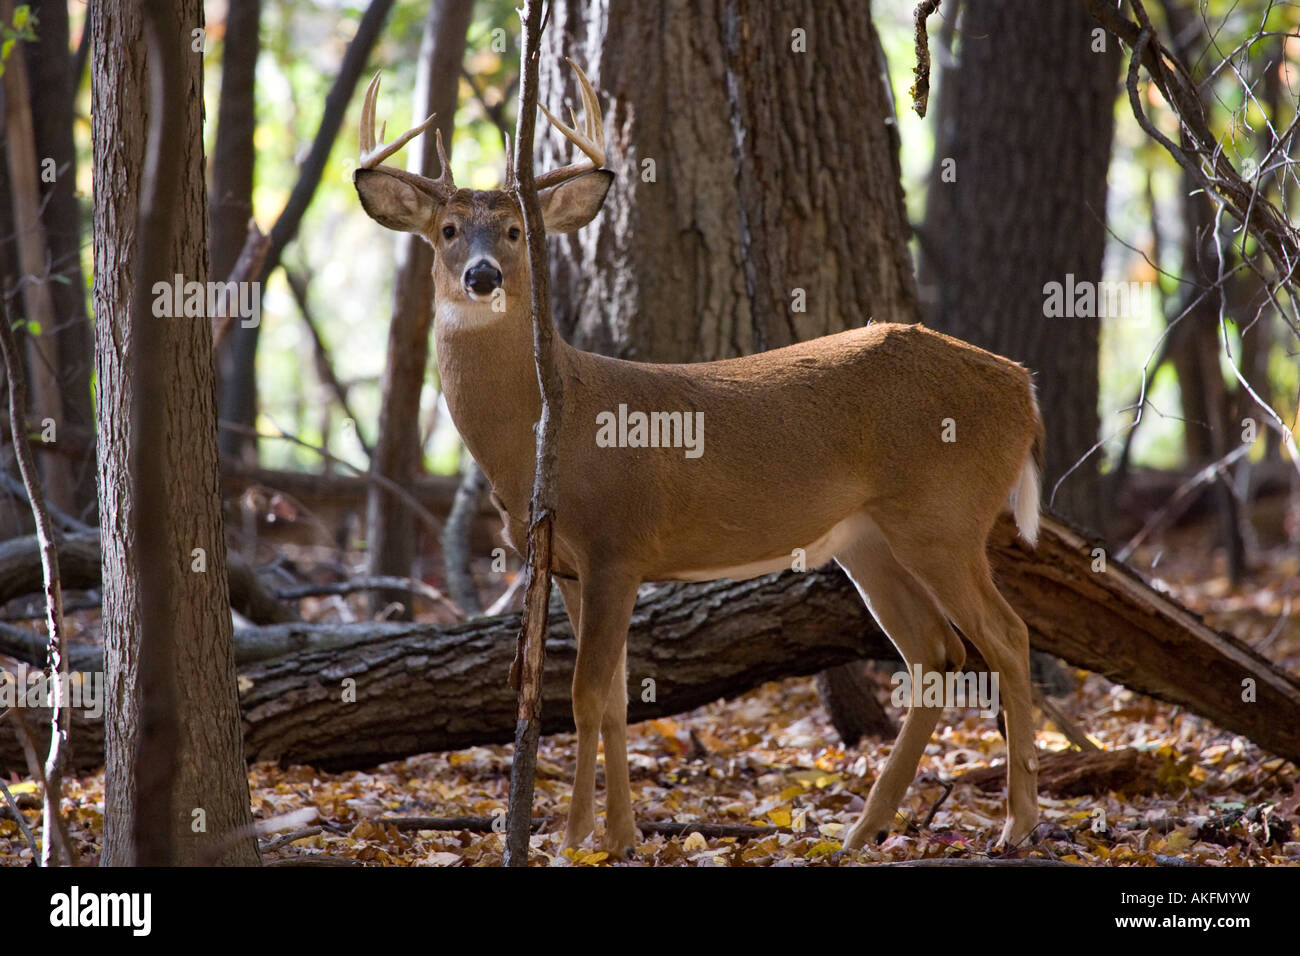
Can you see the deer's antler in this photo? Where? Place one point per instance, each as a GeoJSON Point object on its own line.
{"type": "Point", "coordinates": [373, 152]}
{"type": "Point", "coordinates": [591, 141]}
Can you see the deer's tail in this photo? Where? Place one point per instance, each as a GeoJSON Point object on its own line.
{"type": "Point", "coordinates": [1026, 496]}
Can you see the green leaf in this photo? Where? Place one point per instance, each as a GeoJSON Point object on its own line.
{"type": "Point", "coordinates": [22, 14]}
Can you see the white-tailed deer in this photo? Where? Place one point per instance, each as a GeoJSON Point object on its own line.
{"type": "Point", "coordinates": [891, 448]}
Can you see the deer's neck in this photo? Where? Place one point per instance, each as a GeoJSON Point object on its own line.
{"type": "Point", "coordinates": [489, 381]}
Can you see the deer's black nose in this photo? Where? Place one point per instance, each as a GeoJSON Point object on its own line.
{"type": "Point", "coordinates": [482, 277]}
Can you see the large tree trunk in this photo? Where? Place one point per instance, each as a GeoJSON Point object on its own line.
{"type": "Point", "coordinates": [756, 195]}
{"type": "Point", "coordinates": [390, 533]}
{"type": "Point", "coordinates": [421, 688]}
{"type": "Point", "coordinates": [1027, 119]}
{"type": "Point", "coordinates": [209, 768]}
{"type": "Point", "coordinates": [53, 115]}
{"type": "Point", "coordinates": [741, 219]}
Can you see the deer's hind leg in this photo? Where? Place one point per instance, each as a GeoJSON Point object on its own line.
{"type": "Point", "coordinates": [603, 604]}
{"type": "Point", "coordinates": [908, 614]}
{"type": "Point", "coordinates": [963, 585]}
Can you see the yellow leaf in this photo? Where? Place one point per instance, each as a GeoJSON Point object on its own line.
{"type": "Point", "coordinates": [695, 842]}
{"type": "Point", "coordinates": [364, 830]}
{"type": "Point", "coordinates": [591, 859]}
{"type": "Point", "coordinates": [822, 847]}
{"type": "Point", "coordinates": [817, 778]}
{"type": "Point", "coordinates": [780, 816]}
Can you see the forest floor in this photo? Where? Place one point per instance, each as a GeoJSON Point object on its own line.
{"type": "Point", "coordinates": [1195, 795]}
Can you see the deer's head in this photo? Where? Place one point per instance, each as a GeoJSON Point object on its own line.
{"type": "Point", "coordinates": [477, 235]}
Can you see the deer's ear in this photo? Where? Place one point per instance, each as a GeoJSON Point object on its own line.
{"type": "Point", "coordinates": [393, 203]}
{"type": "Point", "coordinates": [573, 204]}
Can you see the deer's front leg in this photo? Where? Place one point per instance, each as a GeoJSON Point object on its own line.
{"type": "Point", "coordinates": [606, 608]}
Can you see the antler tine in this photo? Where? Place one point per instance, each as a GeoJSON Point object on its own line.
{"type": "Point", "coordinates": [591, 141]}
{"type": "Point", "coordinates": [373, 152]}
{"type": "Point", "coordinates": [366, 134]}
{"type": "Point", "coordinates": [510, 164]}
{"type": "Point", "coordinates": [443, 184]}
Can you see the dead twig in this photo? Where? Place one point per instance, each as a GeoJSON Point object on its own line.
{"type": "Point", "coordinates": [287, 838]}
{"type": "Point", "coordinates": [371, 583]}
{"type": "Point", "coordinates": [324, 366]}
{"type": "Point", "coordinates": [505, 602]}
{"type": "Point", "coordinates": [1180, 499]}
{"type": "Point", "coordinates": [247, 268]}
{"type": "Point", "coordinates": [56, 841]}
{"type": "Point", "coordinates": [526, 674]}
{"type": "Point", "coordinates": [921, 88]}
{"type": "Point", "coordinates": [1073, 733]}
{"type": "Point", "coordinates": [947, 789]}
{"type": "Point", "coordinates": [22, 821]}
{"type": "Point", "coordinates": [387, 484]}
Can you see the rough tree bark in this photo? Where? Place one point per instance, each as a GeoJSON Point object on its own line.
{"type": "Point", "coordinates": [759, 189]}
{"type": "Point", "coordinates": [1027, 119]}
{"type": "Point", "coordinates": [390, 533]}
{"type": "Point", "coordinates": [210, 771]}
{"type": "Point", "coordinates": [745, 214]}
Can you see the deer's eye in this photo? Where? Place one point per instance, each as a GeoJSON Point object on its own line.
{"type": "Point", "coordinates": [449, 232]}
{"type": "Point", "coordinates": [513, 234]}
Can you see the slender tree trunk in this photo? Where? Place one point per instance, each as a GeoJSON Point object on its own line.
{"type": "Point", "coordinates": [231, 198]}
{"type": "Point", "coordinates": [1207, 403]}
{"type": "Point", "coordinates": [50, 72]}
{"type": "Point", "coordinates": [238, 399]}
{"type": "Point", "coordinates": [1028, 113]}
{"type": "Point", "coordinates": [25, 168]}
{"type": "Point", "coordinates": [230, 204]}
{"type": "Point", "coordinates": [390, 533]}
{"type": "Point", "coordinates": [209, 796]}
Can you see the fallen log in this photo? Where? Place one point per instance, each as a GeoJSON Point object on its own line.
{"type": "Point", "coordinates": [79, 570]}
{"type": "Point", "coordinates": [1113, 623]}
{"type": "Point", "coordinates": [422, 688]}
{"type": "Point", "coordinates": [1069, 773]}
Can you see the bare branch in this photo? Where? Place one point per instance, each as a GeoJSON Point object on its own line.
{"type": "Point", "coordinates": [56, 833]}
{"type": "Point", "coordinates": [921, 88]}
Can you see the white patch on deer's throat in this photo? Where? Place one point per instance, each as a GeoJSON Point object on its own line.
{"type": "Point", "coordinates": [467, 315]}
